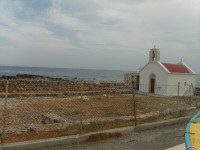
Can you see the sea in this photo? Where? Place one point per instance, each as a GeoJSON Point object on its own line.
{"type": "Point", "coordinates": [66, 73]}
{"type": "Point", "coordinates": [70, 73]}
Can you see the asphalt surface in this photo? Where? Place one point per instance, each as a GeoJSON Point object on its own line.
{"type": "Point", "coordinates": [154, 139]}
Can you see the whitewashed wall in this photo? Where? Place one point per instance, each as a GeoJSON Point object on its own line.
{"type": "Point", "coordinates": [185, 81]}
{"type": "Point", "coordinates": [166, 83]}
{"type": "Point", "coordinates": [161, 78]}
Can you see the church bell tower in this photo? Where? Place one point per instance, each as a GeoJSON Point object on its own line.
{"type": "Point", "coordinates": [154, 55]}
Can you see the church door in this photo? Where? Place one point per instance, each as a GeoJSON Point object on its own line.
{"type": "Point", "coordinates": [152, 86]}
{"type": "Point", "coordinates": [152, 83]}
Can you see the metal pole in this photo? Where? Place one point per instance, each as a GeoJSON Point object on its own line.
{"type": "Point", "coordinates": [93, 86]}
{"type": "Point", "coordinates": [81, 117]}
{"type": "Point", "coordinates": [81, 90]}
{"type": "Point", "coordinates": [193, 90]}
{"type": "Point", "coordinates": [178, 88]}
{"type": "Point", "coordinates": [4, 112]}
{"type": "Point", "coordinates": [178, 93]}
{"type": "Point", "coordinates": [134, 104]}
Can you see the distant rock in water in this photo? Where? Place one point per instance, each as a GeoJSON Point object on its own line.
{"type": "Point", "coordinates": [30, 76]}
{"type": "Point", "coordinates": [8, 77]}
{"type": "Point", "coordinates": [27, 76]}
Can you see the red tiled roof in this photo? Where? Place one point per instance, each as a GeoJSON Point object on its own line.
{"type": "Point", "coordinates": [176, 68]}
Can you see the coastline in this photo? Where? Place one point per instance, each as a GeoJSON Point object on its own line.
{"type": "Point", "coordinates": [66, 73]}
{"type": "Point", "coordinates": [36, 85]}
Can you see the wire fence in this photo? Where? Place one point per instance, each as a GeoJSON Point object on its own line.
{"type": "Point", "coordinates": [45, 107]}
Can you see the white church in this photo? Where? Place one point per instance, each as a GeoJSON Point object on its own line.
{"type": "Point", "coordinates": [166, 78]}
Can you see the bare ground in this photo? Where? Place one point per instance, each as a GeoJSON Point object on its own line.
{"type": "Point", "coordinates": [24, 116]}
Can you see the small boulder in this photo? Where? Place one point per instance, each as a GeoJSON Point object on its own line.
{"type": "Point", "coordinates": [51, 118]}
{"type": "Point", "coordinates": [31, 128]}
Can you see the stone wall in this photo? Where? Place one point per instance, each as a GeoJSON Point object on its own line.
{"type": "Point", "coordinates": [129, 78]}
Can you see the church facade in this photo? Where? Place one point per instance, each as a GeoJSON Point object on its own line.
{"type": "Point", "coordinates": [166, 78]}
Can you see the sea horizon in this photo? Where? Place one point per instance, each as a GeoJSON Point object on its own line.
{"type": "Point", "coordinates": [66, 73]}
{"type": "Point", "coordinates": [67, 68]}
{"type": "Point", "coordinates": [71, 73]}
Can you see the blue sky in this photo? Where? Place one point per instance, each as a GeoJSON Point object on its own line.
{"type": "Point", "coordinates": [98, 34]}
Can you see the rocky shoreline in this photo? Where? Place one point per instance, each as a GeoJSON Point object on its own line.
{"type": "Point", "coordinates": [30, 76]}
{"type": "Point", "coordinates": [36, 85]}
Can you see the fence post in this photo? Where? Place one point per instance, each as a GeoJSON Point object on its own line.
{"type": "Point", "coordinates": [4, 113]}
{"type": "Point", "coordinates": [81, 117]}
{"type": "Point", "coordinates": [134, 104]}
{"type": "Point", "coordinates": [193, 90]}
{"type": "Point", "coordinates": [178, 89]}
{"type": "Point", "coordinates": [177, 104]}
{"type": "Point", "coordinates": [81, 90]}
{"type": "Point", "coordinates": [93, 86]}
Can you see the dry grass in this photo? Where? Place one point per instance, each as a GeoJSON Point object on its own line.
{"type": "Point", "coordinates": [28, 110]}
{"type": "Point", "coordinates": [30, 99]}
{"type": "Point", "coordinates": [91, 127]}
{"type": "Point", "coordinates": [70, 130]}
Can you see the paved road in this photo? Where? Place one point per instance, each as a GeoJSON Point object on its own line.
{"type": "Point", "coordinates": [155, 139]}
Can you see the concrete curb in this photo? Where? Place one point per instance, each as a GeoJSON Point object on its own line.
{"type": "Point", "coordinates": [35, 144]}
{"type": "Point", "coordinates": [162, 123]}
